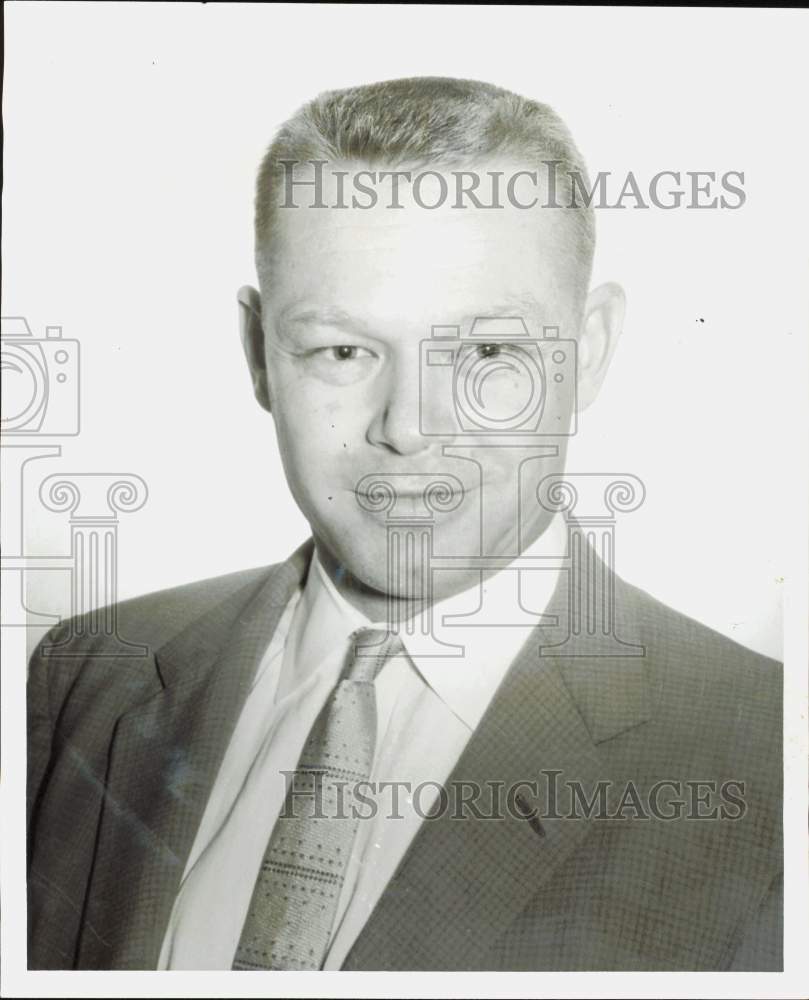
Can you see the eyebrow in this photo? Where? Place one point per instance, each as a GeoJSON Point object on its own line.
{"type": "Point", "coordinates": [296, 314]}
{"type": "Point", "coordinates": [326, 315]}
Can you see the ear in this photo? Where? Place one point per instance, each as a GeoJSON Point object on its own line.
{"type": "Point", "coordinates": [252, 334]}
{"type": "Point", "coordinates": [601, 327]}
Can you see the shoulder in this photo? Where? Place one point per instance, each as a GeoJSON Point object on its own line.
{"type": "Point", "coordinates": [696, 652]}
{"type": "Point", "coordinates": [114, 644]}
{"type": "Point", "coordinates": [154, 618]}
{"type": "Point", "coordinates": [713, 700]}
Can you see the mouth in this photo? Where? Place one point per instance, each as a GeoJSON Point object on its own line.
{"type": "Point", "coordinates": [414, 494]}
{"type": "Point", "coordinates": [436, 496]}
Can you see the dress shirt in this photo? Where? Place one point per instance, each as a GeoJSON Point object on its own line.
{"type": "Point", "coordinates": [427, 708]}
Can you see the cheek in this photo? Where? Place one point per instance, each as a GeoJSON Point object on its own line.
{"type": "Point", "coordinates": [317, 430]}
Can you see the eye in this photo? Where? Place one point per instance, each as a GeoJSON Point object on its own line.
{"type": "Point", "coordinates": [488, 350]}
{"type": "Point", "coordinates": [347, 352]}
{"type": "Point", "coordinates": [340, 364]}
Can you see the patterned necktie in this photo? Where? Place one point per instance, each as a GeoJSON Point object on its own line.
{"type": "Point", "coordinates": [292, 910]}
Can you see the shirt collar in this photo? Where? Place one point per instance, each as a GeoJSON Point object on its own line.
{"type": "Point", "coordinates": [491, 638]}
{"type": "Point", "coordinates": [320, 631]}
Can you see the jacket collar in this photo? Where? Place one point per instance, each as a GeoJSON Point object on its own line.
{"type": "Point", "coordinates": [606, 679]}
{"type": "Point", "coordinates": [549, 712]}
{"type": "Point", "coordinates": [192, 652]}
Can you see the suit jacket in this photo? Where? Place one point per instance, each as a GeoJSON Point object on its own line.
{"type": "Point", "coordinates": [124, 745]}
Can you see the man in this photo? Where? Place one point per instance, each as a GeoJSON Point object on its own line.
{"type": "Point", "coordinates": [583, 778]}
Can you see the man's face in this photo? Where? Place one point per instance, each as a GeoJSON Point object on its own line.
{"type": "Point", "coordinates": [352, 294]}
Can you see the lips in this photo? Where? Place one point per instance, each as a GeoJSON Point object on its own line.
{"type": "Point", "coordinates": [434, 498]}
{"type": "Point", "coordinates": [413, 494]}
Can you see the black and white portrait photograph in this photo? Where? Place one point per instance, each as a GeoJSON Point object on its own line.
{"type": "Point", "coordinates": [405, 538]}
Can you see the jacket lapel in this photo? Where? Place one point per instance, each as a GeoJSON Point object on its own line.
{"type": "Point", "coordinates": [165, 755]}
{"type": "Point", "coordinates": [463, 880]}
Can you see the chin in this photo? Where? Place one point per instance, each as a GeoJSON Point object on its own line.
{"type": "Point", "coordinates": [398, 563]}
{"type": "Point", "coordinates": [401, 577]}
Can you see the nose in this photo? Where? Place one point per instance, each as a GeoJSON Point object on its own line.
{"type": "Point", "coordinates": [396, 424]}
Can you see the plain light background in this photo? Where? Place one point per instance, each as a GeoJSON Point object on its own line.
{"type": "Point", "coordinates": [132, 135]}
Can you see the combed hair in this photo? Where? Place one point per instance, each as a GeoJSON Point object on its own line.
{"type": "Point", "coordinates": [423, 121]}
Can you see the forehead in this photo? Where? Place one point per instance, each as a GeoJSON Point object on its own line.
{"type": "Point", "coordinates": [433, 261]}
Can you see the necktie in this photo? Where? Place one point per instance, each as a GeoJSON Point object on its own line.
{"type": "Point", "coordinates": [289, 920]}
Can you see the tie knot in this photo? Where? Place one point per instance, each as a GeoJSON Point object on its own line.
{"type": "Point", "coordinates": [370, 649]}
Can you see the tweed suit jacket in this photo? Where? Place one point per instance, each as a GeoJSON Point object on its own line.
{"type": "Point", "coordinates": [123, 751]}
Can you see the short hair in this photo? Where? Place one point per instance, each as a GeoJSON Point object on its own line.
{"type": "Point", "coordinates": [435, 121]}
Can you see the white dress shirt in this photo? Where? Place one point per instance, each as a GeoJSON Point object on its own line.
{"type": "Point", "coordinates": [427, 708]}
